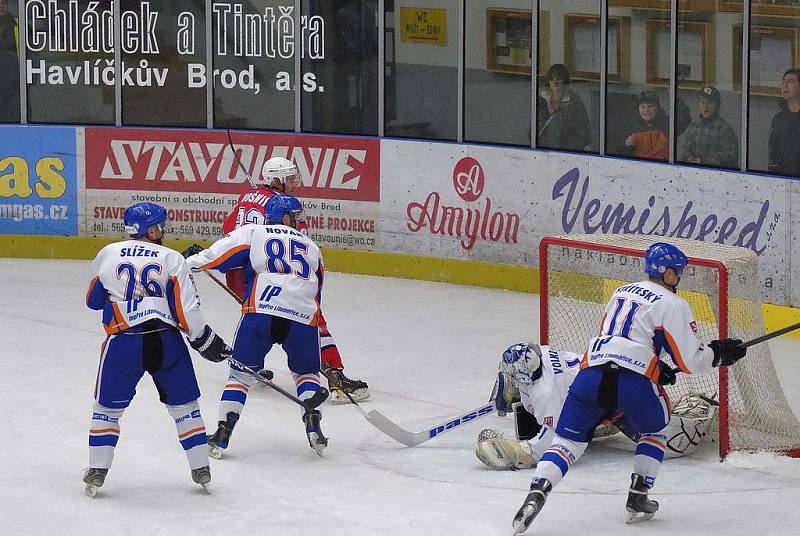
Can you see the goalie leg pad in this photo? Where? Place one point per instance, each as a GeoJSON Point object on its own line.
{"type": "Point", "coordinates": [502, 453]}
{"type": "Point", "coordinates": [525, 424]}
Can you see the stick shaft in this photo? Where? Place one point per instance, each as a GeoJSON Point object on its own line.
{"type": "Point", "coordinates": [770, 335]}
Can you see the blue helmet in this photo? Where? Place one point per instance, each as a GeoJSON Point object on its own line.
{"type": "Point", "coordinates": [661, 256]}
{"type": "Point", "coordinates": [281, 204]}
{"type": "Point", "coordinates": [140, 217]}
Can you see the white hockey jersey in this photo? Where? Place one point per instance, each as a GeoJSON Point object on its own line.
{"type": "Point", "coordinates": [283, 269]}
{"type": "Point", "coordinates": [642, 321]}
{"type": "Point", "coordinates": [545, 397]}
{"type": "Point", "coordinates": [135, 281]}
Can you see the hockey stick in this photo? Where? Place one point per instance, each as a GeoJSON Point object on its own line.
{"type": "Point", "coordinates": [770, 335]}
{"type": "Point", "coordinates": [265, 376]}
{"type": "Point", "coordinates": [236, 158]}
{"type": "Point", "coordinates": [216, 280]}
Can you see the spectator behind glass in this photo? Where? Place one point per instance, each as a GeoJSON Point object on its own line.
{"type": "Point", "coordinates": [649, 138]}
{"type": "Point", "coordinates": [784, 140]}
{"type": "Point", "coordinates": [566, 123]}
{"type": "Point", "coordinates": [710, 139]}
{"type": "Point", "coordinates": [9, 65]}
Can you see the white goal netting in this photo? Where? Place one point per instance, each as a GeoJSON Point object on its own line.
{"type": "Point", "coordinates": [581, 271]}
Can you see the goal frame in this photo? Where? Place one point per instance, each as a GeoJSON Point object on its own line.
{"type": "Point", "coordinates": [722, 303]}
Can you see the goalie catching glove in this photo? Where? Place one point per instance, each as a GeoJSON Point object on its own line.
{"type": "Point", "coordinates": [727, 352]}
{"type": "Point", "coordinates": [500, 452]}
{"type": "Point", "coordinates": [211, 346]}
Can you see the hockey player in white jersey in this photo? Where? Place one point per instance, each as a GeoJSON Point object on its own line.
{"type": "Point", "coordinates": [539, 378]}
{"type": "Point", "coordinates": [148, 297]}
{"type": "Point", "coordinates": [532, 383]}
{"type": "Point", "coordinates": [620, 373]}
{"type": "Point", "coordinates": [283, 271]}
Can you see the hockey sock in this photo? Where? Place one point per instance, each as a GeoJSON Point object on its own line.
{"type": "Point", "coordinates": [307, 384]}
{"type": "Point", "coordinates": [330, 353]}
{"type": "Point", "coordinates": [648, 457]}
{"type": "Point", "coordinates": [557, 460]}
{"type": "Point", "coordinates": [191, 433]}
{"type": "Point", "coordinates": [234, 395]}
{"type": "Point", "coordinates": [103, 435]}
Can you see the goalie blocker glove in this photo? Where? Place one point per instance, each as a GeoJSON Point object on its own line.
{"type": "Point", "coordinates": [727, 351]}
{"type": "Point", "coordinates": [211, 346]}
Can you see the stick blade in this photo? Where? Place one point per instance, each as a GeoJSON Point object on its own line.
{"type": "Point", "coordinates": [382, 423]}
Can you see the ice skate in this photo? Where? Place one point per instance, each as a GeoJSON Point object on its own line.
{"type": "Point", "coordinates": [94, 477]}
{"type": "Point", "coordinates": [339, 384]}
{"type": "Point", "coordinates": [219, 441]}
{"type": "Point", "coordinates": [532, 506]}
{"type": "Point", "coordinates": [639, 507]}
{"type": "Point", "coordinates": [316, 440]}
{"type": "Point", "coordinates": [202, 476]}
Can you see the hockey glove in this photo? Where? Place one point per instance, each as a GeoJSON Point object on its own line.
{"type": "Point", "coordinates": [727, 352]}
{"type": "Point", "coordinates": [211, 346]}
{"type": "Point", "coordinates": [666, 375]}
{"type": "Point", "coordinates": [194, 249]}
{"type": "Point", "coordinates": [505, 393]}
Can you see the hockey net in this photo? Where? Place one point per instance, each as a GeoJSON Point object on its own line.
{"type": "Point", "coordinates": [578, 274]}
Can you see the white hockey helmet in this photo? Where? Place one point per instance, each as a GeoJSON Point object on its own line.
{"type": "Point", "coordinates": [523, 362]}
{"type": "Point", "coordinates": [282, 170]}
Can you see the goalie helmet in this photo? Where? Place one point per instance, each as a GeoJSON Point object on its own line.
{"type": "Point", "coordinates": [283, 171]}
{"type": "Point", "coordinates": [523, 362]}
{"type": "Point", "coordinates": [140, 217]}
{"type": "Point", "coordinates": [280, 204]}
{"type": "Point", "coordinates": [661, 256]}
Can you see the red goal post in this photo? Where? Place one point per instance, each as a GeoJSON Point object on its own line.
{"type": "Point", "coordinates": [577, 275]}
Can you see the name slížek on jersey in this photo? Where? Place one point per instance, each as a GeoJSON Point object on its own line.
{"type": "Point", "coordinates": [283, 269]}
{"type": "Point", "coordinates": [641, 321]}
{"type": "Point", "coordinates": [135, 282]}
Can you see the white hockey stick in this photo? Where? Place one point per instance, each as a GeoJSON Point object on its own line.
{"type": "Point", "coordinates": [412, 439]}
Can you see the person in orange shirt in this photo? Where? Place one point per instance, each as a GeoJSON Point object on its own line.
{"type": "Point", "coordinates": [650, 136]}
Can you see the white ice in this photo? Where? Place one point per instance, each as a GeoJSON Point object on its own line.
{"type": "Point", "coordinates": [427, 350]}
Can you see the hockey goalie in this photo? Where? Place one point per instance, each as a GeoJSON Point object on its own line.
{"type": "Point", "coordinates": [532, 383]}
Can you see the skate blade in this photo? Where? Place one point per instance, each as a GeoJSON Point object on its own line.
{"type": "Point", "coordinates": [215, 452]}
{"type": "Point", "coordinates": [315, 443]}
{"type": "Point", "coordinates": [638, 517]}
{"type": "Point", "coordinates": [90, 490]}
{"type": "Point", "coordinates": [207, 487]}
{"type": "Point", "coordinates": [338, 396]}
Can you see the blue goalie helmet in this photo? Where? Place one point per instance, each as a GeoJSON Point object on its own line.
{"type": "Point", "coordinates": [140, 217]}
{"type": "Point", "coordinates": [281, 204]}
{"type": "Point", "coordinates": [661, 256]}
{"type": "Point", "coordinates": [522, 362]}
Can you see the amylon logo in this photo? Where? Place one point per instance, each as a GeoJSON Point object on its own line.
{"type": "Point", "coordinates": [465, 223]}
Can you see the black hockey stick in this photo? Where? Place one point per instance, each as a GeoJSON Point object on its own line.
{"type": "Point", "coordinates": [216, 280]}
{"type": "Point", "coordinates": [770, 335]}
{"type": "Point", "coordinates": [236, 158]}
{"type": "Point", "coordinates": [265, 376]}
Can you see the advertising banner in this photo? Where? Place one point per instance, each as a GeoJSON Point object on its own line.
{"type": "Point", "coordinates": [198, 175]}
{"type": "Point", "coordinates": [495, 204]}
{"type": "Point", "coordinates": [38, 181]}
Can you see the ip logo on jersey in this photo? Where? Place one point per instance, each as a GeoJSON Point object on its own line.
{"type": "Point", "coordinates": [468, 179]}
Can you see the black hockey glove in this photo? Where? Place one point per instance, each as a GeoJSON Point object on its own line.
{"type": "Point", "coordinates": [211, 346]}
{"type": "Point", "coordinates": [666, 374]}
{"type": "Point", "coordinates": [727, 352]}
{"type": "Point", "coordinates": [194, 249]}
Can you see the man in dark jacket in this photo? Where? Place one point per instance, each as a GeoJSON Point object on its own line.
{"type": "Point", "coordinates": [784, 142]}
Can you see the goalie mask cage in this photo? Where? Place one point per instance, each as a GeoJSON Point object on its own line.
{"type": "Point", "coordinates": [578, 274]}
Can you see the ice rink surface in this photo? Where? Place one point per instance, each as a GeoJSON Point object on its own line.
{"type": "Point", "coordinates": [428, 351]}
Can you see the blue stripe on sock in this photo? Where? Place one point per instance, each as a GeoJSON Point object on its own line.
{"type": "Point", "coordinates": [193, 441]}
{"type": "Point", "coordinates": [647, 449]}
{"type": "Point", "coordinates": [108, 440]}
{"type": "Point", "coordinates": [234, 396]}
{"type": "Point", "coordinates": [556, 459]}
{"type": "Point", "coordinates": [306, 387]}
